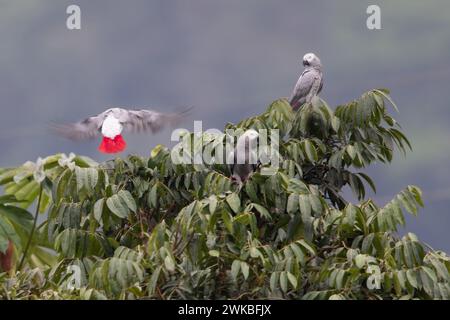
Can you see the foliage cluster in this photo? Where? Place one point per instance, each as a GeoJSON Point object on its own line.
{"type": "Point", "coordinates": [144, 227]}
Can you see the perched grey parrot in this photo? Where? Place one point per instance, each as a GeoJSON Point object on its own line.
{"type": "Point", "coordinates": [310, 82]}
{"type": "Point", "coordinates": [112, 122]}
{"type": "Point", "coordinates": [244, 159]}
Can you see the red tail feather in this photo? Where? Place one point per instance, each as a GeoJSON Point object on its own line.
{"type": "Point", "coordinates": [115, 145]}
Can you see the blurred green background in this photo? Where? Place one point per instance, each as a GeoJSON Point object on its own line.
{"type": "Point", "coordinates": [229, 59]}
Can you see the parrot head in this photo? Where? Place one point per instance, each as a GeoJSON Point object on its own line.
{"type": "Point", "coordinates": [311, 60]}
{"type": "Point", "coordinates": [251, 134]}
{"type": "Point", "coordinates": [248, 136]}
{"type": "Point", "coordinates": [246, 144]}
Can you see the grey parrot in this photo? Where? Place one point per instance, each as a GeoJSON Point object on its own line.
{"type": "Point", "coordinates": [111, 123]}
{"type": "Point", "coordinates": [310, 82]}
{"type": "Point", "coordinates": [244, 159]}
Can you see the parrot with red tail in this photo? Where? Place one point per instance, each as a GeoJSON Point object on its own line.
{"type": "Point", "coordinates": [111, 123]}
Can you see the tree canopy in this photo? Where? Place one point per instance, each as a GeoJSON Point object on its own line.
{"type": "Point", "coordinates": [146, 227]}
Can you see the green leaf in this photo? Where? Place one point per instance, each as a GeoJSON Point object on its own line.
{"type": "Point", "coordinates": [255, 253]}
{"type": "Point", "coordinates": [385, 94]}
{"type": "Point", "coordinates": [397, 285]}
{"type": "Point", "coordinates": [427, 283]}
{"type": "Point", "coordinates": [214, 253]}
{"type": "Point", "coordinates": [243, 218]}
{"type": "Point", "coordinates": [305, 245]}
{"type": "Point", "coordinates": [284, 281]}
{"type": "Point", "coordinates": [18, 217]}
{"type": "Point", "coordinates": [117, 206]}
{"type": "Point", "coordinates": [251, 190]}
{"type": "Point", "coordinates": [412, 279]}
{"type": "Point", "coordinates": [299, 255]}
{"type": "Point", "coordinates": [305, 206]}
{"type": "Point", "coordinates": [30, 188]}
{"type": "Point", "coordinates": [153, 196]}
{"type": "Point", "coordinates": [154, 280]}
{"type": "Point", "coordinates": [235, 268]}
{"type": "Point", "coordinates": [212, 204]}
{"type": "Point", "coordinates": [60, 185]}
{"type": "Point", "coordinates": [368, 180]}
{"type": "Point", "coordinates": [311, 152]}
{"type": "Point", "coordinates": [335, 123]}
{"type": "Point", "coordinates": [340, 279]}
{"type": "Point", "coordinates": [292, 203]}
{"type": "Point", "coordinates": [169, 263]}
{"type": "Point", "coordinates": [86, 177]}
{"type": "Point", "coordinates": [227, 220]}
{"type": "Point", "coordinates": [417, 194]}
{"type": "Point", "coordinates": [292, 279]}
{"type": "Point", "coordinates": [316, 205]}
{"type": "Point", "coordinates": [440, 268]}
{"type": "Point", "coordinates": [274, 279]}
{"type": "Point", "coordinates": [8, 198]}
{"type": "Point", "coordinates": [351, 151]}
{"type": "Point", "coordinates": [245, 269]}
{"type": "Point", "coordinates": [234, 202]}
{"type": "Point", "coordinates": [262, 211]}
{"type": "Point", "coordinates": [128, 199]}
{"type": "Point", "coordinates": [7, 233]}
{"type": "Point", "coordinates": [360, 261]}
{"type": "Point", "coordinates": [98, 209]}
{"type": "Point", "coordinates": [431, 274]}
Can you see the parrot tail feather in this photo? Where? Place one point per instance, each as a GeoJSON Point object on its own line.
{"type": "Point", "coordinates": [115, 145]}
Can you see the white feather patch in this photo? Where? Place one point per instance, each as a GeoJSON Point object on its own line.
{"type": "Point", "coordinates": [111, 127]}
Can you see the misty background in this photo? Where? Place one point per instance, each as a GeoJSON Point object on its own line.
{"type": "Point", "coordinates": [229, 59]}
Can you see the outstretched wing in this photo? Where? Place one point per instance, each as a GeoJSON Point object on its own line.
{"type": "Point", "coordinates": [132, 120]}
{"type": "Point", "coordinates": [148, 120]}
{"type": "Point", "coordinates": [83, 130]}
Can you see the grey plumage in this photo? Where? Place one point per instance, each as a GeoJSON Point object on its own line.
{"type": "Point", "coordinates": [310, 82]}
{"type": "Point", "coordinates": [244, 157]}
{"type": "Point", "coordinates": [132, 120]}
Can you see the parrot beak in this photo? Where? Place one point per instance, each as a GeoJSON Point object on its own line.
{"type": "Point", "coordinates": [305, 63]}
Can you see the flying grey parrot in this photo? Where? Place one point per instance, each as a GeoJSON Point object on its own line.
{"type": "Point", "coordinates": [111, 123]}
{"type": "Point", "coordinates": [244, 159]}
{"type": "Point", "coordinates": [310, 82]}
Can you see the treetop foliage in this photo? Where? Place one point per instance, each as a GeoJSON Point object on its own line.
{"type": "Point", "coordinates": [145, 227]}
